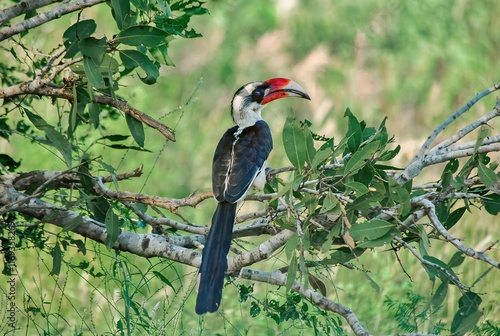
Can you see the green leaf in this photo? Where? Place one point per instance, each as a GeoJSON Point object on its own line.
{"type": "Point", "coordinates": [160, 54]}
{"type": "Point", "coordinates": [492, 204]}
{"type": "Point", "coordinates": [119, 146]}
{"type": "Point", "coordinates": [112, 228]}
{"type": "Point", "coordinates": [75, 33]}
{"type": "Point", "coordinates": [295, 143]}
{"type": "Point", "coordinates": [291, 273]}
{"type": "Point", "coordinates": [359, 188]}
{"type": "Point", "coordinates": [440, 294]}
{"type": "Point", "coordinates": [136, 129]}
{"type": "Point", "coordinates": [94, 112]}
{"type": "Point", "coordinates": [470, 300]}
{"type": "Point", "coordinates": [108, 66]}
{"type": "Point", "coordinates": [291, 245]}
{"type": "Point", "coordinates": [333, 232]}
{"type": "Point", "coordinates": [360, 158]}
{"type": "Point", "coordinates": [164, 280]}
{"type": "Point", "coordinates": [93, 48]}
{"type": "Point", "coordinates": [111, 170]}
{"type": "Point", "coordinates": [401, 196]}
{"type": "Point", "coordinates": [73, 113]}
{"type": "Point", "coordinates": [454, 217]}
{"type": "Point", "coordinates": [464, 324]}
{"type": "Point", "coordinates": [115, 137]}
{"type": "Point", "coordinates": [372, 229]}
{"type": "Point", "coordinates": [93, 73]}
{"type": "Point", "coordinates": [8, 162]}
{"type": "Point", "coordinates": [56, 139]}
{"type": "Point", "coordinates": [330, 202]}
{"type": "Point", "coordinates": [467, 315]}
{"type": "Point", "coordinates": [354, 132]}
{"type": "Point", "coordinates": [433, 272]}
{"type": "Point", "coordinates": [121, 13]}
{"type": "Point", "coordinates": [342, 255]}
{"type": "Point", "coordinates": [366, 201]}
{"type": "Point", "coordinates": [372, 282]}
{"type": "Point", "coordinates": [142, 36]}
{"type": "Point", "coordinates": [321, 156]}
{"type": "Point", "coordinates": [385, 239]}
{"type": "Point", "coordinates": [457, 259]}
{"type": "Point", "coordinates": [60, 142]}
{"type": "Point", "coordinates": [132, 59]}
{"type": "Point", "coordinates": [483, 132]}
{"type": "Point", "coordinates": [36, 120]}
{"type": "Point", "coordinates": [56, 255]}
{"type": "Point", "coordinates": [390, 154]}
{"type": "Point", "coordinates": [309, 144]}
{"type": "Point", "coordinates": [254, 309]}
{"type": "Point", "coordinates": [487, 175]}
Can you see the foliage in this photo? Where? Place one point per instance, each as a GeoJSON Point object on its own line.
{"type": "Point", "coordinates": [342, 201]}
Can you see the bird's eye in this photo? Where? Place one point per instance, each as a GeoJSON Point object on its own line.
{"type": "Point", "coordinates": [258, 95]}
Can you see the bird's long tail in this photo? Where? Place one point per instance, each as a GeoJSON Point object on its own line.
{"type": "Point", "coordinates": [214, 259]}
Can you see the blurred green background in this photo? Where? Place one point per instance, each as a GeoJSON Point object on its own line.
{"type": "Point", "coordinates": [413, 61]}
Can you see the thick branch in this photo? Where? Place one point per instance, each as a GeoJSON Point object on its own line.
{"type": "Point", "coordinates": [261, 252]}
{"type": "Point", "coordinates": [52, 14]}
{"type": "Point", "coordinates": [22, 8]}
{"type": "Point", "coordinates": [60, 179]}
{"type": "Point", "coordinates": [145, 245]}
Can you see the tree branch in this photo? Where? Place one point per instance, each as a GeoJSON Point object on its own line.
{"type": "Point", "coordinates": [171, 204]}
{"type": "Point", "coordinates": [415, 166]}
{"type": "Point", "coordinates": [145, 245]}
{"type": "Point", "coordinates": [34, 88]}
{"type": "Point", "coordinates": [52, 14]}
{"type": "Point", "coordinates": [279, 279]}
{"type": "Point", "coordinates": [468, 251]}
{"type": "Point", "coordinates": [259, 253]}
{"type": "Point", "coordinates": [22, 8]}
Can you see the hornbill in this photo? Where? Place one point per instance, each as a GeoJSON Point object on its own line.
{"type": "Point", "coordinates": [239, 161]}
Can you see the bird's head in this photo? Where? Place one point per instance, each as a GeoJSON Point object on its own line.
{"type": "Point", "coordinates": [251, 98]}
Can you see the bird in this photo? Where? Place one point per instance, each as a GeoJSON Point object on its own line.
{"type": "Point", "coordinates": [239, 162]}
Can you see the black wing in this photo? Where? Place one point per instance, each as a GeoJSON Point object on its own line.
{"type": "Point", "coordinates": [238, 159]}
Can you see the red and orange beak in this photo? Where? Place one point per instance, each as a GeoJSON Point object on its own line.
{"type": "Point", "coordinates": [281, 88]}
